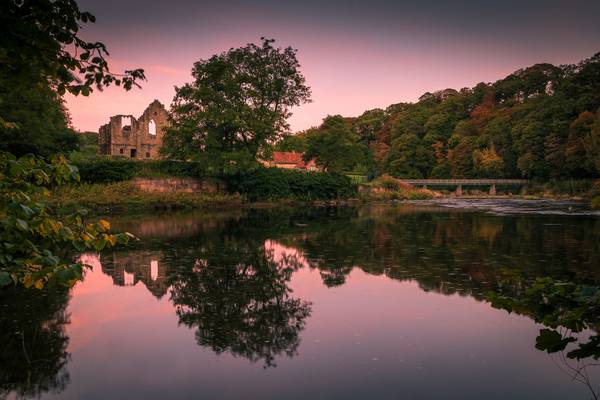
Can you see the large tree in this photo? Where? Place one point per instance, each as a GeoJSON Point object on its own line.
{"type": "Point", "coordinates": [237, 105]}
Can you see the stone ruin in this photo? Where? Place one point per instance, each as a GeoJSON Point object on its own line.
{"type": "Point", "coordinates": [129, 137]}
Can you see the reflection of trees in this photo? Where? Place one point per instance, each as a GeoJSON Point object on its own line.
{"type": "Point", "coordinates": [566, 309]}
{"type": "Point", "coordinates": [238, 298]}
{"type": "Point", "coordinates": [34, 357]}
{"type": "Point", "coordinates": [449, 252]}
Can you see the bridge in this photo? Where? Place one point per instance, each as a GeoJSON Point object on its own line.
{"type": "Point", "coordinates": [459, 183]}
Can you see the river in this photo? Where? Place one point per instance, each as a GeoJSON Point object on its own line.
{"type": "Point", "coordinates": [388, 301]}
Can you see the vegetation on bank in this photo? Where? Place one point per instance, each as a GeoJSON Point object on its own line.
{"type": "Point", "coordinates": [117, 169]}
{"type": "Point", "coordinates": [389, 188]}
{"type": "Point", "coordinates": [34, 243]}
{"type": "Point", "coordinates": [276, 184]}
{"type": "Point", "coordinates": [126, 197]}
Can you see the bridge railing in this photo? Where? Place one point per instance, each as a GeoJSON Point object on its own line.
{"type": "Point", "coordinates": [466, 182]}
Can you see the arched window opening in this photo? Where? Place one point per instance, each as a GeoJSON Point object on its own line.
{"type": "Point", "coordinates": [152, 127]}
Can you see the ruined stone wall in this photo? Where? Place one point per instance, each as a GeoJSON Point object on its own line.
{"type": "Point", "coordinates": [134, 139]}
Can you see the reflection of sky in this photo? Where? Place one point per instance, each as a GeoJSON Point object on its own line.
{"type": "Point", "coordinates": [355, 55]}
{"type": "Point", "coordinates": [369, 338]}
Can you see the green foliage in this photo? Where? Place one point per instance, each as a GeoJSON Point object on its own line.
{"type": "Point", "coordinates": [40, 124]}
{"type": "Point", "coordinates": [295, 143]}
{"type": "Point", "coordinates": [565, 308]}
{"type": "Point", "coordinates": [114, 169]}
{"type": "Point", "coordinates": [542, 122]}
{"type": "Point", "coordinates": [276, 183]}
{"type": "Point", "coordinates": [34, 244]}
{"type": "Point", "coordinates": [42, 56]}
{"type": "Point", "coordinates": [41, 43]}
{"type": "Point", "coordinates": [103, 170]}
{"type": "Point", "coordinates": [236, 107]}
{"type": "Point", "coordinates": [334, 146]}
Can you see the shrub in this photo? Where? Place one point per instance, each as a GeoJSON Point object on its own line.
{"type": "Point", "coordinates": [275, 183]}
{"type": "Point", "coordinates": [390, 183]}
{"type": "Point", "coordinates": [113, 169]}
{"type": "Point", "coordinates": [105, 170]}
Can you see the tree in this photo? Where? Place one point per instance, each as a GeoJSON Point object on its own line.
{"type": "Point", "coordinates": [41, 50]}
{"type": "Point", "coordinates": [576, 158]}
{"type": "Point", "coordinates": [296, 143]}
{"type": "Point", "coordinates": [237, 104]}
{"type": "Point", "coordinates": [487, 163]}
{"type": "Point", "coordinates": [42, 56]}
{"type": "Point", "coordinates": [409, 158]}
{"type": "Point", "coordinates": [42, 123]}
{"type": "Point", "coordinates": [334, 146]}
{"type": "Point", "coordinates": [41, 41]}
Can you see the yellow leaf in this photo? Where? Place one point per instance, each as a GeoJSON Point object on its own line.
{"type": "Point", "coordinates": [112, 239]}
{"type": "Point", "coordinates": [104, 224]}
{"type": "Point", "coordinates": [39, 284]}
{"type": "Point", "coordinates": [27, 281]}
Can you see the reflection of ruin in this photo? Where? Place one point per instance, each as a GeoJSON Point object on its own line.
{"type": "Point", "coordinates": [127, 269]}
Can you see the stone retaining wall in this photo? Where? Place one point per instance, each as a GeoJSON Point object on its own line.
{"type": "Point", "coordinates": [182, 185]}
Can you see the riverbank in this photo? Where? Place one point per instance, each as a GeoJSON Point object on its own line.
{"type": "Point", "coordinates": [126, 197]}
{"type": "Point", "coordinates": [129, 197]}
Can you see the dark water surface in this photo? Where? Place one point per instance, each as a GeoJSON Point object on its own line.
{"type": "Point", "coordinates": [379, 302]}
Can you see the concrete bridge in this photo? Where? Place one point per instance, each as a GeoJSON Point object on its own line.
{"type": "Point", "coordinates": [459, 183]}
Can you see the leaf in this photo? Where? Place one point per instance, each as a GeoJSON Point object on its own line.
{"type": "Point", "coordinates": [23, 225]}
{"type": "Point", "coordinates": [551, 341]}
{"type": "Point", "coordinates": [104, 224]}
{"type": "Point", "coordinates": [5, 279]}
{"type": "Point", "coordinates": [99, 244]}
{"type": "Point", "coordinates": [589, 349]}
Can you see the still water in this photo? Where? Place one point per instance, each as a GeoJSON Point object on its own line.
{"type": "Point", "coordinates": [379, 302]}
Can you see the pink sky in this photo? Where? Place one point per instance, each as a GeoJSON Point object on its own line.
{"type": "Point", "coordinates": [354, 58]}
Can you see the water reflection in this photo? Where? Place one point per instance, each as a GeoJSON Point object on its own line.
{"type": "Point", "coordinates": [237, 297]}
{"type": "Point", "coordinates": [34, 356]}
{"type": "Point", "coordinates": [229, 278]}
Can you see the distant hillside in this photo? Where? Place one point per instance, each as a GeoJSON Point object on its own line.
{"type": "Point", "coordinates": [539, 122]}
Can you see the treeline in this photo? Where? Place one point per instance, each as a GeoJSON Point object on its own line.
{"type": "Point", "coordinates": [539, 122]}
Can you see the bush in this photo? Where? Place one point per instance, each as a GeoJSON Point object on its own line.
{"type": "Point", "coordinates": [390, 183]}
{"type": "Point", "coordinates": [105, 170]}
{"type": "Point", "coordinates": [276, 183]}
{"type": "Point", "coordinates": [113, 169]}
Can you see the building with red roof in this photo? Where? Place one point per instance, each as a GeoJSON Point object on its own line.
{"type": "Point", "coordinates": [291, 160]}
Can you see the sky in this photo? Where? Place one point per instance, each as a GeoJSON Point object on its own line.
{"type": "Point", "coordinates": [355, 55]}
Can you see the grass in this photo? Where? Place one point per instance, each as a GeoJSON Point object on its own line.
{"type": "Point", "coordinates": [389, 188]}
{"type": "Point", "coordinates": [125, 197]}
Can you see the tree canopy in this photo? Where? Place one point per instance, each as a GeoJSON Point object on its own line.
{"type": "Point", "coordinates": [42, 56]}
{"type": "Point", "coordinates": [539, 122]}
{"type": "Point", "coordinates": [236, 106]}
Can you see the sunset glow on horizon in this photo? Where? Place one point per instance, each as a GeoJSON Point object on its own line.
{"type": "Point", "coordinates": [354, 56]}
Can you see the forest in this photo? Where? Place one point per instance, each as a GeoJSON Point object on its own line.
{"type": "Point", "coordinates": [541, 122]}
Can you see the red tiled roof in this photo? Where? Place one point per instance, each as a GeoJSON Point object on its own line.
{"type": "Point", "coordinates": [288, 157]}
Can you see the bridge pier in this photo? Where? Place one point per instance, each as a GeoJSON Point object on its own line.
{"type": "Point", "coordinates": [458, 190]}
{"type": "Point", "coordinates": [493, 190]}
